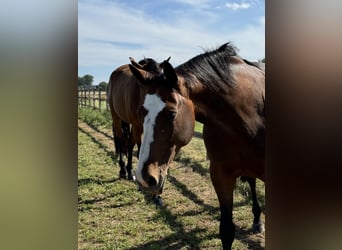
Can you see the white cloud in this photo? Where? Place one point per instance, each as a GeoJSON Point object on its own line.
{"type": "Point", "coordinates": [195, 3]}
{"type": "Point", "coordinates": [236, 6]}
{"type": "Point", "coordinates": [115, 24]}
{"type": "Point", "coordinates": [109, 33]}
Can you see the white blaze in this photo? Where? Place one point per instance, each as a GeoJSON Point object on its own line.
{"type": "Point", "coordinates": [153, 104]}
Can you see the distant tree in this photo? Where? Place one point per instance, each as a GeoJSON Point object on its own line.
{"type": "Point", "coordinates": [263, 60]}
{"type": "Point", "coordinates": [86, 80]}
{"type": "Point", "coordinates": [80, 81]}
{"type": "Point", "coordinates": [103, 85]}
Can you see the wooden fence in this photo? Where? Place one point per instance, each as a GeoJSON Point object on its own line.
{"type": "Point", "coordinates": [95, 97]}
{"type": "Point", "coordinates": [92, 96]}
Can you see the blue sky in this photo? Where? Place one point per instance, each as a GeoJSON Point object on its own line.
{"type": "Point", "coordinates": [110, 31]}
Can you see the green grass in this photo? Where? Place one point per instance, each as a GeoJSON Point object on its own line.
{"type": "Point", "coordinates": [198, 127]}
{"type": "Point", "coordinates": [113, 214]}
{"type": "Point", "coordinates": [95, 117]}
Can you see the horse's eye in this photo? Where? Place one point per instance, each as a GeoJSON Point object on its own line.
{"type": "Point", "coordinates": [171, 115]}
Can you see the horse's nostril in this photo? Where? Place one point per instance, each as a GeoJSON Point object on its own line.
{"type": "Point", "coordinates": [152, 181]}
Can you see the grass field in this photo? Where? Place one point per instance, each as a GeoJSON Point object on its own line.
{"type": "Point", "coordinates": [113, 214]}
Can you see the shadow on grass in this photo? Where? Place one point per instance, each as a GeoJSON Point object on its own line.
{"type": "Point", "coordinates": [189, 162]}
{"type": "Point", "coordinates": [176, 241]}
{"type": "Point", "coordinates": [86, 181]}
{"type": "Point", "coordinates": [242, 235]}
{"type": "Point", "coordinates": [105, 199]}
{"type": "Point", "coordinates": [92, 201]}
{"type": "Point", "coordinates": [99, 131]}
{"type": "Point", "coordinates": [179, 239]}
{"type": "Point", "coordinates": [88, 205]}
{"type": "Point", "coordinates": [186, 192]}
{"type": "Point", "coordinates": [109, 152]}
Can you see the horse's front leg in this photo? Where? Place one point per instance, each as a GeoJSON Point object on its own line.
{"type": "Point", "coordinates": [129, 157]}
{"type": "Point", "coordinates": [258, 225]}
{"type": "Point", "coordinates": [137, 138]}
{"type": "Point", "coordinates": [122, 165]}
{"type": "Point", "coordinates": [224, 186]}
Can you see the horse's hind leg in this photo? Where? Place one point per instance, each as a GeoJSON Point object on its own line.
{"type": "Point", "coordinates": [258, 225]}
{"type": "Point", "coordinates": [224, 184]}
{"type": "Point", "coordinates": [130, 156]}
{"type": "Point", "coordinates": [118, 151]}
{"type": "Point", "coordinates": [117, 133]}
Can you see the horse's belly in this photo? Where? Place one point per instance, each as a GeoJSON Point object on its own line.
{"type": "Point", "coordinates": [123, 110]}
{"type": "Point", "coordinates": [234, 153]}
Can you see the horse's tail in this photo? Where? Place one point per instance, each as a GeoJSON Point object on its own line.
{"type": "Point", "coordinates": [108, 90]}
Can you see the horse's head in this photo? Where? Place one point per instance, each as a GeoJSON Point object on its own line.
{"type": "Point", "coordinates": [168, 125]}
{"type": "Point", "coordinates": [149, 65]}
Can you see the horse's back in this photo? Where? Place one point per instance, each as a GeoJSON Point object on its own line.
{"type": "Point", "coordinates": [242, 149]}
{"type": "Point", "coordinates": [125, 94]}
{"type": "Point", "coordinates": [248, 96]}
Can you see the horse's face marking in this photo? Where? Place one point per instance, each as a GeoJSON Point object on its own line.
{"type": "Point", "coordinates": [153, 106]}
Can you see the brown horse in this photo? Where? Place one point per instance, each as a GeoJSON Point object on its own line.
{"type": "Point", "coordinates": [125, 95]}
{"type": "Point", "coordinates": [226, 94]}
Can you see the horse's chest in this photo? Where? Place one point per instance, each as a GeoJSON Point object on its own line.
{"type": "Point", "coordinates": [224, 147]}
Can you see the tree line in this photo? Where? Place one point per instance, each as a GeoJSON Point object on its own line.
{"type": "Point", "coordinates": [87, 80]}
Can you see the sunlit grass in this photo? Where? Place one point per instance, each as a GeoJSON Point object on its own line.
{"type": "Point", "coordinates": [114, 214]}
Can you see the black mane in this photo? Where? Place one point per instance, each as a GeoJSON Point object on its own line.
{"type": "Point", "coordinates": [211, 68]}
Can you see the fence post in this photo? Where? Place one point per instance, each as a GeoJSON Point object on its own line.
{"type": "Point", "coordinates": [82, 96]}
{"type": "Point", "coordinates": [89, 95]}
{"type": "Point", "coordinates": [94, 97]}
{"type": "Point", "coordinates": [100, 98]}
{"type": "Point", "coordinates": [107, 106]}
{"type": "Point", "coordinates": [80, 100]}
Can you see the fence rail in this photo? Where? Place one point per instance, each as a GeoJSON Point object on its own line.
{"type": "Point", "coordinates": [95, 97]}
{"type": "Point", "coordinates": [92, 96]}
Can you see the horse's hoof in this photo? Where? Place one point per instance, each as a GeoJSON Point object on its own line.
{"type": "Point", "coordinates": [131, 177]}
{"type": "Point", "coordinates": [258, 228]}
{"type": "Point", "coordinates": [158, 201]}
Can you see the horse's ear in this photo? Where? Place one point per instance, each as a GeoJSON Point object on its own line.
{"type": "Point", "coordinates": [138, 74]}
{"type": "Point", "coordinates": [161, 65]}
{"type": "Point", "coordinates": [133, 62]}
{"type": "Point", "coordinates": [170, 74]}
{"type": "Point", "coordinates": [142, 76]}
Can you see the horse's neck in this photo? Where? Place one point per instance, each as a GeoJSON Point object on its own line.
{"type": "Point", "coordinates": [217, 111]}
{"type": "Point", "coordinates": [205, 112]}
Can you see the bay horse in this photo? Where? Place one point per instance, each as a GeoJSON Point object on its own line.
{"type": "Point", "coordinates": [125, 95]}
{"type": "Point", "coordinates": [224, 92]}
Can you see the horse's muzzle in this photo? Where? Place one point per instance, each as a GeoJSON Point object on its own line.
{"type": "Point", "coordinates": [154, 187]}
